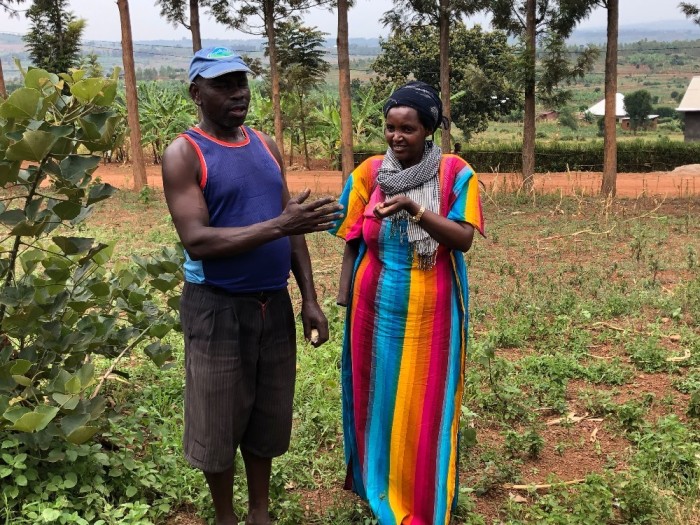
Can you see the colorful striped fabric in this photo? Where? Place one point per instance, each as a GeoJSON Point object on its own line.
{"type": "Point", "coordinates": [403, 355]}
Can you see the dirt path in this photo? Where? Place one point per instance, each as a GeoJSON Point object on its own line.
{"type": "Point", "coordinates": [678, 183]}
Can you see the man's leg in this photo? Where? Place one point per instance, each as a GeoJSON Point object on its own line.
{"type": "Point", "coordinates": [258, 473]}
{"type": "Point", "coordinates": [221, 488]}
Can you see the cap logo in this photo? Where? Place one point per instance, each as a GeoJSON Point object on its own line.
{"type": "Point", "coordinates": [220, 52]}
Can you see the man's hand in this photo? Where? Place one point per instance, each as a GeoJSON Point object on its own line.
{"type": "Point", "coordinates": [314, 322]}
{"type": "Point", "coordinates": [300, 217]}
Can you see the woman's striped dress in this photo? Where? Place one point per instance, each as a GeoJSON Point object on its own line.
{"type": "Point", "coordinates": [404, 353]}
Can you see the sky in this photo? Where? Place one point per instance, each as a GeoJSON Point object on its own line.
{"type": "Point", "coordinates": [102, 18]}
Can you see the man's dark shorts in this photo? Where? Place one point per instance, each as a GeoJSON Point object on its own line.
{"type": "Point", "coordinates": [240, 363]}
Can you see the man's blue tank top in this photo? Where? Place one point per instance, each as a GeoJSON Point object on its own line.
{"type": "Point", "coordinates": [242, 185]}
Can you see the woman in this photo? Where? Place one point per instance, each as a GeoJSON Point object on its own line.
{"type": "Point", "coordinates": [410, 215]}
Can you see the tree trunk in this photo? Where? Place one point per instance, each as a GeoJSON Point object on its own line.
{"type": "Point", "coordinates": [194, 26]}
{"type": "Point", "coordinates": [529, 120]}
{"type": "Point", "coordinates": [138, 163]}
{"type": "Point", "coordinates": [3, 89]}
{"type": "Point", "coordinates": [609, 186]}
{"type": "Point", "coordinates": [302, 123]}
{"type": "Point", "coordinates": [346, 146]}
{"type": "Point", "coordinates": [445, 69]}
{"type": "Point", "coordinates": [268, 10]}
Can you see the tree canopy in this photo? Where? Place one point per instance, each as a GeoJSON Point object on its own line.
{"type": "Point", "coordinates": [480, 63]}
{"type": "Point", "coordinates": [692, 11]}
{"type": "Point", "coordinates": [638, 106]}
{"type": "Point", "coordinates": [53, 40]}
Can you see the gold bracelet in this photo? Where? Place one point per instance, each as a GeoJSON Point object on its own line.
{"type": "Point", "coordinates": [416, 218]}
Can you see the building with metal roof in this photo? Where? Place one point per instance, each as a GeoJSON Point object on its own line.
{"type": "Point", "coordinates": [690, 106]}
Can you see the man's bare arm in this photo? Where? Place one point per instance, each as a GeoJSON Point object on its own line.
{"type": "Point", "coordinates": [191, 217]}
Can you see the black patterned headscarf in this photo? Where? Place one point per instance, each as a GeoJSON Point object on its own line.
{"type": "Point", "coordinates": [424, 99]}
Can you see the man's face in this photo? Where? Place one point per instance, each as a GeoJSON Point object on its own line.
{"type": "Point", "coordinates": [223, 100]}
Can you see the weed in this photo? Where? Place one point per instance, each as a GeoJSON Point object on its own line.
{"type": "Point", "coordinates": [648, 355]}
{"type": "Point", "coordinates": [528, 444]}
{"type": "Point", "coordinates": [691, 257]}
{"type": "Point", "coordinates": [667, 454]}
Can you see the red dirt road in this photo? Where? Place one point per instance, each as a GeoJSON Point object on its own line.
{"type": "Point", "coordinates": [678, 183]}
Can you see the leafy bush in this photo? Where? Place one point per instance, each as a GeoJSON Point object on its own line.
{"type": "Point", "coordinates": [62, 311]}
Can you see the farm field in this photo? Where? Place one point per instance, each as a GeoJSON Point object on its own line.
{"type": "Point", "coordinates": [682, 182]}
{"type": "Point", "coordinates": [583, 383]}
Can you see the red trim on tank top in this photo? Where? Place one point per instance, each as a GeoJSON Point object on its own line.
{"type": "Point", "coordinates": [240, 144]}
{"type": "Point", "coordinates": [202, 160]}
{"type": "Point", "coordinates": [264, 143]}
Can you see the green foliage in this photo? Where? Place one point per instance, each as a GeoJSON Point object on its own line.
{"type": "Point", "coordinates": [480, 70]}
{"type": "Point", "coordinates": [633, 156]}
{"type": "Point", "coordinates": [553, 23]}
{"type": "Point", "coordinates": [165, 111]}
{"type": "Point", "coordinates": [692, 11]}
{"type": "Point", "coordinates": [638, 105]}
{"type": "Point", "coordinates": [567, 118]}
{"type": "Point", "coordinates": [528, 444]}
{"type": "Point", "coordinates": [53, 39]}
{"type": "Point", "coordinates": [302, 69]}
{"type": "Point", "coordinates": [667, 454]}
{"type": "Point", "coordinates": [60, 306]}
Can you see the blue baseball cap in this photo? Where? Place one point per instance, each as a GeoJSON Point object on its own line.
{"type": "Point", "coordinates": [213, 62]}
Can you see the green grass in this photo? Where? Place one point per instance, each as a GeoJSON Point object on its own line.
{"type": "Point", "coordinates": [560, 324]}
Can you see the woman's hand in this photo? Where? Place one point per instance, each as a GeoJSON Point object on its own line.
{"type": "Point", "coordinates": [453, 235]}
{"type": "Point", "coordinates": [395, 205]}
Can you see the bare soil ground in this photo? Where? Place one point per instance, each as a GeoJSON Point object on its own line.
{"type": "Point", "coordinates": [678, 183]}
{"type": "Point", "coordinates": [571, 452]}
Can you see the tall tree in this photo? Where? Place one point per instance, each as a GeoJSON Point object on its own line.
{"type": "Point", "coordinates": [440, 13]}
{"type": "Point", "coordinates": [302, 67]}
{"type": "Point", "coordinates": [9, 7]}
{"type": "Point", "coordinates": [481, 65]}
{"type": "Point", "coordinates": [343, 45]}
{"type": "Point", "coordinates": [53, 40]}
{"type": "Point", "coordinates": [259, 17]}
{"type": "Point", "coordinates": [550, 23]}
{"type": "Point", "coordinates": [138, 163]}
{"type": "Point", "coordinates": [692, 11]}
{"type": "Point", "coordinates": [609, 183]}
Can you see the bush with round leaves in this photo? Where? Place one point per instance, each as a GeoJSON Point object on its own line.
{"type": "Point", "coordinates": [66, 311]}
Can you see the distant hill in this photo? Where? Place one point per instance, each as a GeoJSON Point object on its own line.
{"type": "Point", "coordinates": [661, 31]}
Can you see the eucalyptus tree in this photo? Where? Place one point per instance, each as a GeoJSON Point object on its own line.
{"type": "Point", "coordinates": [53, 39]}
{"type": "Point", "coordinates": [346, 143]}
{"type": "Point", "coordinates": [609, 182]}
{"type": "Point", "coordinates": [481, 65]}
{"type": "Point", "coordinates": [692, 11]}
{"type": "Point", "coordinates": [303, 67]}
{"type": "Point", "coordinates": [548, 23]}
{"type": "Point", "coordinates": [138, 164]}
{"type": "Point", "coordinates": [260, 17]}
{"type": "Point", "coordinates": [440, 13]}
{"type": "Point", "coordinates": [11, 6]}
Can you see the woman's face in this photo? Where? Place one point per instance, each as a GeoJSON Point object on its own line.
{"type": "Point", "coordinates": [405, 135]}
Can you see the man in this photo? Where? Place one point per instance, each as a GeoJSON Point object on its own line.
{"type": "Point", "coordinates": [225, 188]}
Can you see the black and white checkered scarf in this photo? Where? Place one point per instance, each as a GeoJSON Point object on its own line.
{"type": "Point", "coordinates": [420, 184]}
